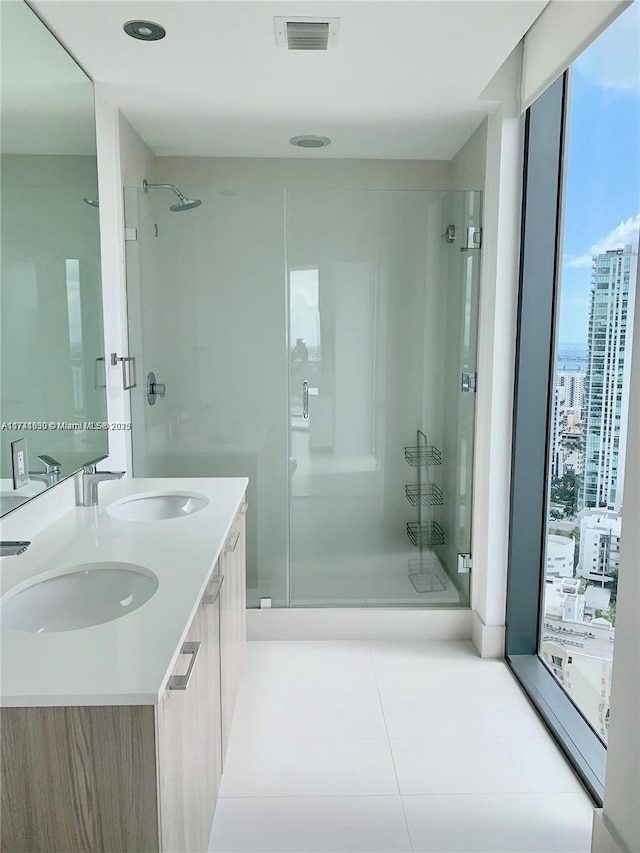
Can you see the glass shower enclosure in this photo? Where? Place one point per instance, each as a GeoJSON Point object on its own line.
{"type": "Point", "coordinates": [322, 343]}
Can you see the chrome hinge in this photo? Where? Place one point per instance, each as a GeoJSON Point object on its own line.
{"type": "Point", "coordinates": [465, 563]}
{"type": "Point", "coordinates": [473, 238]}
{"type": "Point", "coordinates": [130, 234]}
{"type": "Point", "coordinates": [469, 382]}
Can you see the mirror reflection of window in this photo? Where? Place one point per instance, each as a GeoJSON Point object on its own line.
{"type": "Point", "coordinates": [306, 351]}
{"type": "Point", "coordinates": [51, 336]}
{"type": "Point", "coordinates": [74, 313]}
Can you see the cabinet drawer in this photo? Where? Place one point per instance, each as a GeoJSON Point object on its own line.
{"type": "Point", "coordinates": [189, 737]}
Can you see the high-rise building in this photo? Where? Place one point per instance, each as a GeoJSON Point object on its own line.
{"type": "Point", "coordinates": [607, 385]}
{"type": "Point", "coordinates": [572, 384]}
{"type": "Point", "coordinates": [566, 430]}
{"type": "Point", "coordinates": [599, 545]}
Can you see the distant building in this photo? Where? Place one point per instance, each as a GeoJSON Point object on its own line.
{"type": "Point", "coordinates": [560, 551]}
{"type": "Point", "coordinates": [557, 461]}
{"type": "Point", "coordinates": [566, 430]}
{"type": "Point", "coordinates": [562, 600]}
{"type": "Point", "coordinates": [599, 545]}
{"type": "Point", "coordinates": [607, 383]}
{"type": "Point", "coordinates": [572, 383]}
{"type": "Point", "coordinates": [586, 678]}
{"type": "Point", "coordinates": [596, 598]}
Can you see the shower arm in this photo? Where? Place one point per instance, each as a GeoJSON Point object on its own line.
{"type": "Point", "coordinates": [146, 186]}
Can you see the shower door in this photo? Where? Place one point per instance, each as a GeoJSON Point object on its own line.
{"type": "Point", "coordinates": [208, 317]}
{"type": "Point", "coordinates": [382, 327]}
{"type": "Point", "coordinates": [310, 372]}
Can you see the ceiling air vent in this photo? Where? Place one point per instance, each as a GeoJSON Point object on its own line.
{"type": "Point", "coordinates": [306, 33]}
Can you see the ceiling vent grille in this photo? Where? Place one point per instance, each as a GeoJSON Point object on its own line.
{"type": "Point", "coordinates": [306, 33]}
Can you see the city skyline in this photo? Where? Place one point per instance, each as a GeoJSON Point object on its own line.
{"type": "Point", "coordinates": [601, 208]}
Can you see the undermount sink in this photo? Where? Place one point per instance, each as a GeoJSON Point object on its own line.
{"type": "Point", "coordinates": [9, 501]}
{"type": "Point", "coordinates": [82, 596]}
{"type": "Point", "coordinates": [157, 507]}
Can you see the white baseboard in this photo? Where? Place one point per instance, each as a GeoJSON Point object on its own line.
{"type": "Point", "coordinates": [603, 839]}
{"type": "Point", "coordinates": [488, 639]}
{"type": "Point", "coordinates": [345, 623]}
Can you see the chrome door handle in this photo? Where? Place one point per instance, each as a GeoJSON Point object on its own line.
{"type": "Point", "coordinates": [96, 381]}
{"type": "Point", "coordinates": [211, 596]}
{"type": "Point", "coordinates": [128, 382]}
{"type": "Point", "coordinates": [181, 682]}
{"type": "Point", "coordinates": [232, 542]}
{"type": "Point", "coordinates": [305, 399]}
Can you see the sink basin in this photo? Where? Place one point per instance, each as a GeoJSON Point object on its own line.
{"type": "Point", "coordinates": [84, 595]}
{"type": "Point", "coordinates": [157, 507]}
{"type": "Point", "coordinates": [9, 501]}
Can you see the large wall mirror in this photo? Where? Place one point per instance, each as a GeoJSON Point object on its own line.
{"type": "Point", "coordinates": [52, 390]}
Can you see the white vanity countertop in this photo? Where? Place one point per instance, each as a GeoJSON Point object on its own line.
{"type": "Point", "coordinates": [126, 661]}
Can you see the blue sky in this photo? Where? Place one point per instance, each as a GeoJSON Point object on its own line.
{"type": "Point", "coordinates": [602, 208]}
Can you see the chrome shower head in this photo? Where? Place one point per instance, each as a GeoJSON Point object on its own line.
{"type": "Point", "coordinates": [91, 201]}
{"type": "Point", "coordinates": [184, 203]}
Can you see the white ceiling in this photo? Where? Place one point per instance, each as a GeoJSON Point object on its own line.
{"type": "Point", "coordinates": [403, 82]}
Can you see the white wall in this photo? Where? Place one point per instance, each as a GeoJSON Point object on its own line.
{"type": "Point", "coordinates": [123, 159]}
{"type": "Point", "coordinates": [137, 160]}
{"type": "Point", "coordinates": [496, 352]}
{"type": "Point", "coordinates": [238, 173]}
{"type": "Point", "coordinates": [469, 166]}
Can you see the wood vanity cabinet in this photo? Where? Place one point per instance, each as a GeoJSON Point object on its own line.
{"type": "Point", "coordinates": [233, 619]}
{"type": "Point", "coordinates": [132, 778]}
{"type": "Point", "coordinates": [189, 737]}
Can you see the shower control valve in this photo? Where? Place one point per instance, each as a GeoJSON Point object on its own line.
{"type": "Point", "coordinates": [154, 389]}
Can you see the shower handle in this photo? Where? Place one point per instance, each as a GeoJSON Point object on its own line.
{"type": "Point", "coordinates": [305, 399]}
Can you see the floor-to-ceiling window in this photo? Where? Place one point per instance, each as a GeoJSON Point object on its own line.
{"type": "Point", "coordinates": [578, 288]}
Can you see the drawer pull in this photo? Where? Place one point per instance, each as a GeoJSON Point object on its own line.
{"type": "Point", "coordinates": [214, 591]}
{"type": "Point", "coordinates": [181, 682]}
{"type": "Point", "coordinates": [232, 542]}
{"type": "Point", "coordinates": [242, 509]}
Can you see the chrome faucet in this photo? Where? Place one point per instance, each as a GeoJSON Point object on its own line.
{"type": "Point", "coordinates": [51, 474]}
{"type": "Point", "coordinates": [12, 549]}
{"type": "Point", "coordinates": [91, 478]}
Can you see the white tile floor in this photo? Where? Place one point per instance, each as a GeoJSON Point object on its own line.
{"type": "Point", "coordinates": [391, 746]}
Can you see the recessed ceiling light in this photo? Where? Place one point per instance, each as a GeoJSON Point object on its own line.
{"type": "Point", "coordinates": [144, 30]}
{"type": "Point", "coordinates": [310, 141]}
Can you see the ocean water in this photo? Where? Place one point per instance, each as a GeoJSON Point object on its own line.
{"type": "Point", "coordinates": [572, 357]}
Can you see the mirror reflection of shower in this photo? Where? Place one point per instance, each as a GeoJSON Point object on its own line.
{"type": "Point", "coordinates": [184, 203]}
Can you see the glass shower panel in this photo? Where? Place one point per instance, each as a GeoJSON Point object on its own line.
{"type": "Point", "coordinates": [461, 274]}
{"type": "Point", "coordinates": [207, 315]}
{"type": "Point", "coordinates": [382, 325]}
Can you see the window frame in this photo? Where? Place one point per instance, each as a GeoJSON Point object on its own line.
{"type": "Point", "coordinates": [546, 127]}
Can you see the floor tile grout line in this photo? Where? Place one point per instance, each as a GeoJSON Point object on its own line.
{"type": "Point", "coordinates": [393, 760]}
{"type": "Point", "coordinates": [516, 793]}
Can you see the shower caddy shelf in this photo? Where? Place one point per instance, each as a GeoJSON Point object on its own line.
{"type": "Point", "coordinates": [425, 572]}
{"type": "Point", "coordinates": [425, 533]}
{"type": "Point", "coordinates": [419, 455]}
{"type": "Point", "coordinates": [427, 495]}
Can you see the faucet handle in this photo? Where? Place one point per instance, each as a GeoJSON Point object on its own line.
{"type": "Point", "coordinates": [90, 467]}
{"type": "Point", "coordinates": [51, 465]}
{"type": "Point", "coordinates": [13, 549]}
